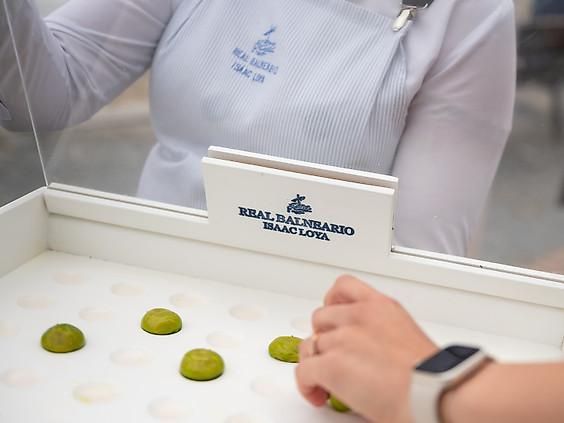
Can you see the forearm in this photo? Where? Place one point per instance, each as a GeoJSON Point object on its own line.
{"type": "Point", "coordinates": [22, 28]}
{"type": "Point", "coordinates": [508, 393]}
{"type": "Point", "coordinates": [77, 59]}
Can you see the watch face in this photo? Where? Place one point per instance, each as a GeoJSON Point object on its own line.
{"type": "Point", "coordinates": [447, 359]}
{"type": "Point", "coordinates": [417, 3]}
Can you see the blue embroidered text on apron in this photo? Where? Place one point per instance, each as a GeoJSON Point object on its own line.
{"type": "Point", "coordinates": [314, 80]}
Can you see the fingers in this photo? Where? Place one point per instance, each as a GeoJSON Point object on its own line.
{"type": "Point", "coordinates": [308, 347]}
{"type": "Point", "coordinates": [311, 377]}
{"type": "Point", "coordinates": [319, 373]}
{"type": "Point", "coordinates": [331, 317]}
{"type": "Point", "coordinates": [341, 339]}
{"type": "Point", "coordinates": [348, 289]}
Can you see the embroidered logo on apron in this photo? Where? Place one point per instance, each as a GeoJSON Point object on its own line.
{"type": "Point", "coordinates": [314, 80]}
{"type": "Point", "coordinates": [252, 65]}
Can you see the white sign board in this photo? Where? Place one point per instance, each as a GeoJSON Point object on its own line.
{"type": "Point", "coordinates": [264, 207]}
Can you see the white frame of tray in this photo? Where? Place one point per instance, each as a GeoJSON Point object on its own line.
{"type": "Point", "coordinates": [473, 295]}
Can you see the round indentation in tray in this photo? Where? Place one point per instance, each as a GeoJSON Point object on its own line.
{"type": "Point", "coordinates": [131, 357]}
{"type": "Point", "coordinates": [247, 312]}
{"type": "Point", "coordinates": [303, 324]}
{"type": "Point", "coordinates": [96, 314]}
{"type": "Point", "coordinates": [19, 378]}
{"type": "Point", "coordinates": [35, 301]}
{"type": "Point", "coordinates": [265, 386]}
{"type": "Point", "coordinates": [183, 300]}
{"type": "Point", "coordinates": [95, 393]}
{"type": "Point", "coordinates": [126, 289]}
{"type": "Point", "coordinates": [7, 329]}
{"type": "Point", "coordinates": [68, 278]}
{"type": "Point", "coordinates": [168, 409]}
{"type": "Point", "coordinates": [221, 339]}
{"type": "Point", "coordinates": [243, 418]}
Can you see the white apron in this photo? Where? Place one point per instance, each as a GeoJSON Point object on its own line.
{"type": "Point", "coordinates": [314, 80]}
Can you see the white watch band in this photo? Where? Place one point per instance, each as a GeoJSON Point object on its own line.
{"type": "Point", "coordinates": [425, 394]}
{"type": "Point", "coordinates": [427, 388]}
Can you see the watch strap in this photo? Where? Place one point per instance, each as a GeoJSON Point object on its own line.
{"type": "Point", "coordinates": [425, 396]}
{"type": "Point", "coordinates": [427, 388]}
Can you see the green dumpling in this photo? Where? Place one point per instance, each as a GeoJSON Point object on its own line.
{"type": "Point", "coordinates": [337, 405]}
{"type": "Point", "coordinates": [160, 321]}
{"type": "Point", "coordinates": [285, 348]}
{"type": "Point", "coordinates": [202, 365]}
{"type": "Point", "coordinates": [63, 338]}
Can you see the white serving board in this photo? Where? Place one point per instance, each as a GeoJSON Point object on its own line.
{"type": "Point", "coordinates": [38, 386]}
{"type": "Point", "coordinates": [138, 371]}
{"type": "Point", "coordinates": [223, 260]}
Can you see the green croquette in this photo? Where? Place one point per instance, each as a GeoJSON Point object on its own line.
{"type": "Point", "coordinates": [202, 365]}
{"type": "Point", "coordinates": [63, 338]}
{"type": "Point", "coordinates": [160, 321]}
{"type": "Point", "coordinates": [285, 348]}
{"type": "Point", "coordinates": [337, 405]}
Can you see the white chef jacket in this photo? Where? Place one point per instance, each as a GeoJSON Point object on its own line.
{"type": "Point", "coordinates": [460, 85]}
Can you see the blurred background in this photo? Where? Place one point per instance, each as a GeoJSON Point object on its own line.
{"type": "Point", "coordinates": [523, 223]}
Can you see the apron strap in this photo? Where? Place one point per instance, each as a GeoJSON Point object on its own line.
{"type": "Point", "coordinates": [408, 12]}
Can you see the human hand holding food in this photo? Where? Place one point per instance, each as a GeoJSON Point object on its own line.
{"type": "Point", "coordinates": [364, 350]}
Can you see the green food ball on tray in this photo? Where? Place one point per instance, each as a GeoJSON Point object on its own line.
{"type": "Point", "coordinates": [63, 338]}
{"type": "Point", "coordinates": [202, 365]}
{"type": "Point", "coordinates": [160, 321]}
{"type": "Point", "coordinates": [337, 405]}
{"type": "Point", "coordinates": [285, 348]}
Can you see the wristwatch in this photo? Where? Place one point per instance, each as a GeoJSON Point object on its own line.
{"type": "Point", "coordinates": [435, 375]}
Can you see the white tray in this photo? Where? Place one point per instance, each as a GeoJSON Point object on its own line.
{"type": "Point", "coordinates": [125, 374]}
{"type": "Point", "coordinates": [82, 257]}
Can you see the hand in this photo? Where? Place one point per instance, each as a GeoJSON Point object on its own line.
{"type": "Point", "coordinates": [365, 348]}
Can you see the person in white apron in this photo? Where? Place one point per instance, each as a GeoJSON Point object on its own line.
{"type": "Point", "coordinates": [344, 83]}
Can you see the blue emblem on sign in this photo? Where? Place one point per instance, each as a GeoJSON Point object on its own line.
{"type": "Point", "coordinates": [265, 46]}
{"type": "Point", "coordinates": [296, 206]}
{"type": "Point", "coordinates": [294, 225]}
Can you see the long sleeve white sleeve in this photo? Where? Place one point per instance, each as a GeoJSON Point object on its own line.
{"type": "Point", "coordinates": [76, 60]}
{"type": "Point", "coordinates": [457, 127]}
